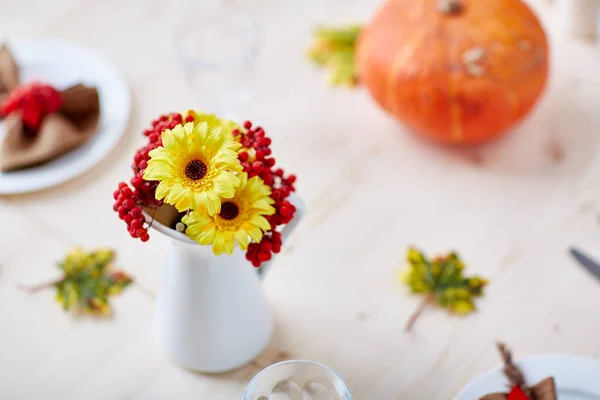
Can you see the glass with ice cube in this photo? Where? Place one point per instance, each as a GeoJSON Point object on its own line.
{"type": "Point", "coordinates": [297, 380]}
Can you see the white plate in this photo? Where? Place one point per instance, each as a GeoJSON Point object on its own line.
{"type": "Point", "coordinates": [62, 64]}
{"type": "Point", "coordinates": [576, 378]}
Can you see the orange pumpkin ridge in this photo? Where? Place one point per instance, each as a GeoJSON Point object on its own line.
{"type": "Point", "coordinates": [462, 75]}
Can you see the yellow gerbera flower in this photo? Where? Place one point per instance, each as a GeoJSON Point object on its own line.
{"type": "Point", "coordinates": [195, 167]}
{"type": "Point", "coordinates": [227, 126]}
{"type": "Point", "coordinates": [240, 219]}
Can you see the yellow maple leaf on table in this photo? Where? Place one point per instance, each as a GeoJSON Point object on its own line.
{"type": "Point", "coordinates": [443, 283]}
{"type": "Point", "coordinates": [87, 282]}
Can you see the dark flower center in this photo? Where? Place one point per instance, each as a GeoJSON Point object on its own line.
{"type": "Point", "coordinates": [195, 170]}
{"type": "Point", "coordinates": [229, 210]}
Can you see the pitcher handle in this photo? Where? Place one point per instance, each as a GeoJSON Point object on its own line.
{"type": "Point", "coordinates": [288, 228]}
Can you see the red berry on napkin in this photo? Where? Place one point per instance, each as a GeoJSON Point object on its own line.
{"type": "Point", "coordinates": [516, 394]}
{"type": "Point", "coordinates": [33, 101]}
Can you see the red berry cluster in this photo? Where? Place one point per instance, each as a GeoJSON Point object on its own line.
{"type": "Point", "coordinates": [130, 212]}
{"type": "Point", "coordinates": [261, 252]}
{"type": "Point", "coordinates": [255, 159]}
{"type": "Point", "coordinates": [255, 152]}
{"type": "Point", "coordinates": [129, 202]}
{"type": "Point", "coordinates": [33, 101]}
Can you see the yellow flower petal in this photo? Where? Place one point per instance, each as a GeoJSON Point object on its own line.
{"type": "Point", "coordinates": [162, 190]}
{"type": "Point", "coordinates": [168, 140]}
{"type": "Point", "coordinates": [177, 197]}
{"type": "Point", "coordinates": [208, 236]}
{"type": "Point", "coordinates": [225, 184]}
{"type": "Point", "coordinates": [229, 242]}
{"type": "Point", "coordinates": [219, 244]}
{"type": "Point", "coordinates": [200, 200]}
{"type": "Point", "coordinates": [157, 170]}
{"type": "Point", "coordinates": [261, 222]}
{"type": "Point", "coordinates": [255, 233]}
{"type": "Point", "coordinates": [264, 205]}
{"type": "Point", "coordinates": [213, 204]}
{"type": "Point", "coordinates": [242, 238]}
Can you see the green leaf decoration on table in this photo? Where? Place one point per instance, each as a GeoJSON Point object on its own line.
{"type": "Point", "coordinates": [333, 49]}
{"type": "Point", "coordinates": [442, 282]}
{"type": "Point", "coordinates": [88, 281]}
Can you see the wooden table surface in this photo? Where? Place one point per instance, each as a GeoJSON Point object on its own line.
{"type": "Point", "coordinates": [511, 209]}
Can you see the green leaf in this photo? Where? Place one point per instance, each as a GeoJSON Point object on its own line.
{"type": "Point", "coordinates": [88, 281]}
{"type": "Point", "coordinates": [334, 50]}
{"type": "Point", "coordinates": [442, 281]}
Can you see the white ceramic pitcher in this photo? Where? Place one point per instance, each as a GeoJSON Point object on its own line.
{"type": "Point", "coordinates": [212, 314]}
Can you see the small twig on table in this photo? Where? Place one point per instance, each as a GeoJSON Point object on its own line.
{"type": "Point", "coordinates": [417, 313]}
{"type": "Point", "coordinates": [41, 286]}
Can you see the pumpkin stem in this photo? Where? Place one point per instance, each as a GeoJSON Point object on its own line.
{"type": "Point", "coordinates": [449, 6]}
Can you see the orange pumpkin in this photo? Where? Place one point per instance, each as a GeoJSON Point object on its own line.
{"type": "Point", "coordinates": [456, 71]}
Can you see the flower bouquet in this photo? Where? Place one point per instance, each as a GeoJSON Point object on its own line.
{"type": "Point", "coordinates": [217, 180]}
{"type": "Point", "coordinates": [210, 184]}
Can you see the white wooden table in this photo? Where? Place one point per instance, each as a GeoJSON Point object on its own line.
{"type": "Point", "coordinates": [511, 209]}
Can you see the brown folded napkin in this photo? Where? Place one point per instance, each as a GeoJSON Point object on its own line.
{"type": "Point", "coordinates": [60, 132]}
{"type": "Point", "coordinates": [543, 390]}
{"type": "Point", "coordinates": [9, 72]}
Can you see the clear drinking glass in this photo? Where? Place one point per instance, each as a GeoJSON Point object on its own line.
{"type": "Point", "coordinates": [217, 43]}
{"type": "Point", "coordinates": [297, 380]}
